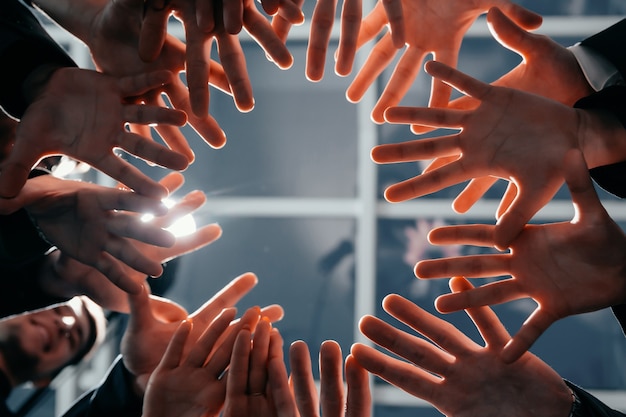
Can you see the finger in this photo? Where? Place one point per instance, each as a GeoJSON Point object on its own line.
{"type": "Point", "coordinates": [430, 182]}
{"type": "Point", "coordinates": [469, 234]}
{"type": "Point", "coordinates": [487, 323]}
{"type": "Point", "coordinates": [533, 327]}
{"type": "Point", "coordinates": [192, 242]}
{"type": "Point", "coordinates": [273, 313]}
{"type": "Point", "coordinates": [401, 374]}
{"type": "Point", "coordinates": [359, 397]}
{"type": "Point", "coordinates": [372, 24]}
{"type": "Point", "coordinates": [226, 297]}
{"type": "Point", "coordinates": [202, 347]}
{"type": "Point", "coordinates": [291, 11]}
{"type": "Point", "coordinates": [172, 181]}
{"type": "Point", "coordinates": [257, 378]}
{"type": "Point", "coordinates": [149, 150]}
{"type": "Point", "coordinates": [489, 294]}
{"type": "Point", "coordinates": [305, 392]}
{"type": "Point", "coordinates": [460, 81]}
{"type": "Point", "coordinates": [282, 25]}
{"type": "Point", "coordinates": [426, 116]}
{"type": "Point", "coordinates": [153, 32]}
{"type": "Point", "coordinates": [351, 12]}
{"type": "Point", "coordinates": [237, 383]}
{"type": "Point", "coordinates": [439, 91]}
{"type": "Point", "coordinates": [123, 199]}
{"type": "Point", "coordinates": [233, 15]}
{"type": "Point", "coordinates": [173, 138]}
{"type": "Point", "coordinates": [528, 19]}
{"type": "Point", "coordinates": [217, 77]}
{"type": "Point", "coordinates": [475, 266]}
{"type": "Point", "coordinates": [472, 192]}
{"type": "Point", "coordinates": [278, 380]}
{"type": "Point", "coordinates": [442, 333]}
{"type": "Point", "coordinates": [205, 17]}
{"type": "Point", "coordinates": [234, 63]}
{"type": "Point", "coordinates": [270, 6]}
{"type": "Point", "coordinates": [582, 191]}
{"type": "Point", "coordinates": [140, 317]}
{"type": "Point", "coordinates": [331, 377]}
{"type": "Point", "coordinates": [381, 55]}
{"type": "Point", "coordinates": [404, 73]}
{"type": "Point", "coordinates": [507, 199]}
{"type": "Point", "coordinates": [129, 226]}
{"type": "Point", "coordinates": [174, 351]}
{"type": "Point", "coordinates": [197, 61]}
{"type": "Point", "coordinates": [322, 23]}
{"type": "Point", "coordinates": [421, 149]}
{"type": "Point", "coordinates": [130, 176]}
{"type": "Point", "coordinates": [395, 16]}
{"type": "Point", "coordinates": [127, 252]}
{"type": "Point", "coordinates": [205, 126]}
{"type": "Point", "coordinates": [261, 30]}
{"type": "Point", "coordinates": [191, 202]}
{"type": "Point", "coordinates": [522, 209]}
{"type": "Point", "coordinates": [139, 84]}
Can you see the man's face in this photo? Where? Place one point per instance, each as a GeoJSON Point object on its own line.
{"type": "Point", "coordinates": [35, 345]}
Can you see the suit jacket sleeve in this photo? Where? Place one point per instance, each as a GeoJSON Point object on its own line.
{"type": "Point", "coordinates": [24, 46]}
{"type": "Point", "coordinates": [113, 397]}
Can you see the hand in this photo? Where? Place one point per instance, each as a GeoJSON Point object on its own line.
{"type": "Point", "coordinates": [96, 225]}
{"type": "Point", "coordinates": [257, 379]}
{"type": "Point", "coordinates": [68, 277]}
{"type": "Point", "coordinates": [436, 27]}
{"type": "Point", "coordinates": [113, 38]}
{"type": "Point", "coordinates": [351, 15]}
{"type": "Point", "coordinates": [567, 268]}
{"type": "Point", "coordinates": [67, 118]}
{"type": "Point", "coordinates": [457, 376]}
{"type": "Point", "coordinates": [194, 384]}
{"type": "Point", "coordinates": [493, 141]}
{"type": "Point", "coordinates": [358, 401]}
{"type": "Point", "coordinates": [147, 334]}
{"type": "Point", "coordinates": [199, 35]}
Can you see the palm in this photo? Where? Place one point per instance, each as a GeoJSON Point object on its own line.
{"type": "Point", "coordinates": [441, 31]}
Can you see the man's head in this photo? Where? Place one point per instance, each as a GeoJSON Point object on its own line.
{"type": "Point", "coordinates": [37, 345]}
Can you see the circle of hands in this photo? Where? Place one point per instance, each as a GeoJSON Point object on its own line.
{"type": "Point", "coordinates": [210, 362]}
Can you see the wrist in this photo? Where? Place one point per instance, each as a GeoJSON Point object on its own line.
{"type": "Point", "coordinates": [602, 138]}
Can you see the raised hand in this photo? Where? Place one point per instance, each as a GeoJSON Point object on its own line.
{"type": "Point", "coordinates": [331, 400]}
{"type": "Point", "coordinates": [567, 268]}
{"type": "Point", "coordinates": [322, 23]}
{"type": "Point", "coordinates": [68, 277]}
{"type": "Point", "coordinates": [222, 25]}
{"type": "Point", "coordinates": [493, 141]}
{"type": "Point", "coordinates": [453, 373]}
{"type": "Point", "coordinates": [148, 333]}
{"type": "Point", "coordinates": [194, 384]}
{"type": "Point", "coordinates": [67, 117]}
{"type": "Point", "coordinates": [437, 27]}
{"type": "Point", "coordinates": [257, 378]}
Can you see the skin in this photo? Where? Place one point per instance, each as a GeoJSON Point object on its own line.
{"type": "Point", "coordinates": [36, 344]}
{"type": "Point", "coordinates": [436, 27]}
{"type": "Point", "coordinates": [493, 141]}
{"type": "Point", "coordinates": [51, 126]}
{"type": "Point", "coordinates": [567, 267]}
{"type": "Point", "coordinates": [453, 373]}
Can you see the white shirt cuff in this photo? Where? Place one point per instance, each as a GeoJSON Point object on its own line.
{"type": "Point", "coordinates": [598, 71]}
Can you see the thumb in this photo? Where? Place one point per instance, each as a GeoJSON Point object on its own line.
{"type": "Point", "coordinates": [507, 33]}
{"type": "Point", "coordinates": [141, 316]}
{"type": "Point", "coordinates": [527, 335]}
{"type": "Point", "coordinates": [584, 196]}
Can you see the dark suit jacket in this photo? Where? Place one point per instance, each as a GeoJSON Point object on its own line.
{"type": "Point", "coordinates": [24, 46]}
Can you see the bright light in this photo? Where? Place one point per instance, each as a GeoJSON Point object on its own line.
{"type": "Point", "coordinates": [183, 226]}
